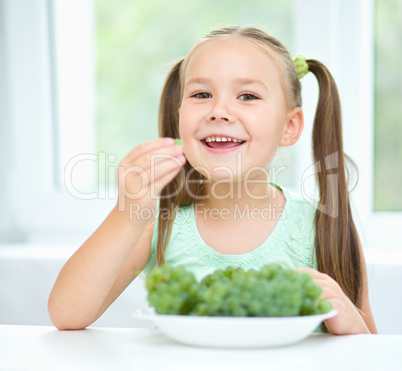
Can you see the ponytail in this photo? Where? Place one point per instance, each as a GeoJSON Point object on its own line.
{"type": "Point", "coordinates": [337, 243]}
{"type": "Point", "coordinates": [186, 185]}
{"type": "Point", "coordinates": [168, 127]}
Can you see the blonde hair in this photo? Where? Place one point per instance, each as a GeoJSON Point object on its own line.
{"type": "Point", "coordinates": [336, 241]}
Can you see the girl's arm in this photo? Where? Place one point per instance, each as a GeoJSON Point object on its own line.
{"type": "Point", "coordinates": [349, 320]}
{"type": "Point", "coordinates": [120, 248]}
{"type": "Point", "coordinates": [366, 309]}
{"type": "Point", "coordinates": [97, 273]}
{"type": "Point", "coordinates": [133, 267]}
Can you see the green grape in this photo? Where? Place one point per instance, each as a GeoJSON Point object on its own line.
{"type": "Point", "coordinates": [269, 271]}
{"type": "Point", "coordinates": [255, 307]}
{"type": "Point", "coordinates": [178, 142]}
{"type": "Point", "coordinates": [272, 291]}
{"type": "Point", "coordinates": [324, 306]}
{"type": "Point", "coordinates": [312, 290]}
{"type": "Point", "coordinates": [171, 290]}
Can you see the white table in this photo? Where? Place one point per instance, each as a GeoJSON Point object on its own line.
{"type": "Point", "coordinates": [45, 348]}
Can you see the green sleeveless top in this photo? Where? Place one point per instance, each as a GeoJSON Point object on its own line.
{"type": "Point", "coordinates": [290, 244]}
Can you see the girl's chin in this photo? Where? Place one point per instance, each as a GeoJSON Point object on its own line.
{"type": "Point", "coordinates": [219, 179]}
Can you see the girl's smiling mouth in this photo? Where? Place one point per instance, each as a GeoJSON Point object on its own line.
{"type": "Point", "coordinates": [221, 143]}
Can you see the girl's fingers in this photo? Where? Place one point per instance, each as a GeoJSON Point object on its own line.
{"type": "Point", "coordinates": [316, 275]}
{"type": "Point", "coordinates": [148, 147]}
{"type": "Point", "coordinates": [323, 280]}
{"type": "Point", "coordinates": [311, 271]}
{"type": "Point", "coordinates": [328, 293]}
{"type": "Point", "coordinates": [150, 161]}
{"type": "Point", "coordinates": [345, 321]}
{"type": "Point", "coordinates": [165, 166]}
{"type": "Point", "coordinates": [146, 170]}
{"type": "Point", "coordinates": [166, 177]}
{"type": "Point", "coordinates": [136, 182]}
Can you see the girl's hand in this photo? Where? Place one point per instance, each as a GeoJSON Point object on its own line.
{"type": "Point", "coordinates": [348, 320]}
{"type": "Point", "coordinates": [144, 172]}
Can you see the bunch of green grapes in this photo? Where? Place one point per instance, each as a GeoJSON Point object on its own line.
{"type": "Point", "coordinates": [312, 303]}
{"type": "Point", "coordinates": [172, 290]}
{"type": "Point", "coordinates": [273, 291]}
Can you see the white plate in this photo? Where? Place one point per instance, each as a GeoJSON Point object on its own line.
{"type": "Point", "coordinates": [235, 332]}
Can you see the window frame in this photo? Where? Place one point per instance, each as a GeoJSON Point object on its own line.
{"type": "Point", "coordinates": [39, 208]}
{"type": "Point", "coordinates": [35, 207]}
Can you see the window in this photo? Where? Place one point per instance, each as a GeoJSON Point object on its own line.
{"type": "Point", "coordinates": [387, 109]}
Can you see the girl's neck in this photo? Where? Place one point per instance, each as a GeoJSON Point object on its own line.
{"type": "Point", "coordinates": [229, 195]}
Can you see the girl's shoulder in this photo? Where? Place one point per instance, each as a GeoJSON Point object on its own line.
{"type": "Point", "coordinates": [297, 202]}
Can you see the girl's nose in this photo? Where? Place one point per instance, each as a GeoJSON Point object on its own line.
{"type": "Point", "coordinates": [220, 112]}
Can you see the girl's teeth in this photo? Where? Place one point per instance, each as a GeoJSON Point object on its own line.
{"type": "Point", "coordinates": [222, 139]}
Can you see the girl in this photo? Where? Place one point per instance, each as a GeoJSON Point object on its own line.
{"type": "Point", "coordinates": [233, 101]}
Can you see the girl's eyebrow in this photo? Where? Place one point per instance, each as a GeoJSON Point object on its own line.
{"type": "Point", "coordinates": [198, 80]}
{"type": "Point", "coordinates": [248, 81]}
{"type": "Point", "coordinates": [239, 81]}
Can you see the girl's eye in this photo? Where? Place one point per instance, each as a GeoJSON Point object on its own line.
{"type": "Point", "coordinates": [247, 96]}
{"type": "Point", "coordinates": [202, 95]}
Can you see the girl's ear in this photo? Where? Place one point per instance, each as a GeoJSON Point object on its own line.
{"type": "Point", "coordinates": [293, 129]}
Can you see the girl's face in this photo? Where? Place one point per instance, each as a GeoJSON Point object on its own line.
{"type": "Point", "coordinates": [234, 113]}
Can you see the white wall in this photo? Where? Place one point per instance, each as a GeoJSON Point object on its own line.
{"type": "Point", "coordinates": [27, 275]}
{"type": "Point", "coordinates": [384, 271]}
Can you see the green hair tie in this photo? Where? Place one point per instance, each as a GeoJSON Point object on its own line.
{"type": "Point", "coordinates": [301, 65]}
